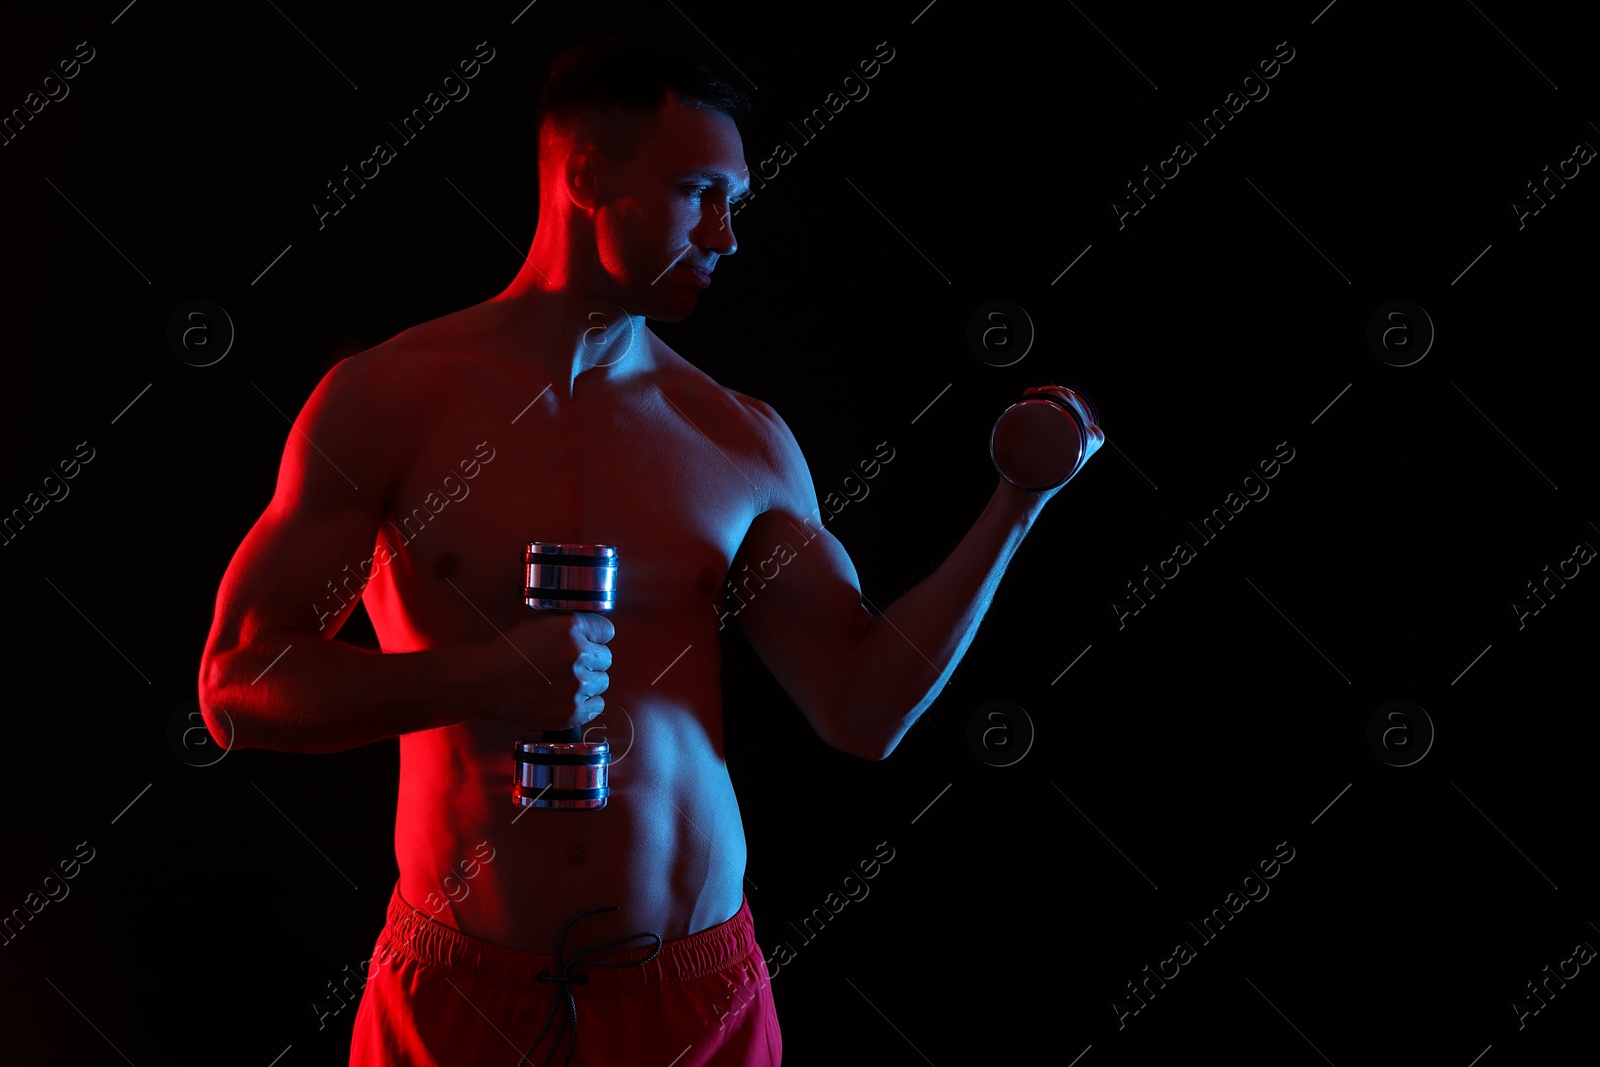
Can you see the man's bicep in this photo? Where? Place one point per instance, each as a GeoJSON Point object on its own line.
{"type": "Point", "coordinates": [300, 565]}
{"type": "Point", "coordinates": [801, 611]}
{"type": "Point", "coordinates": [294, 571]}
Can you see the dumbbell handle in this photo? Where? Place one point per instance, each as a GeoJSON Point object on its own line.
{"type": "Point", "coordinates": [567, 577]}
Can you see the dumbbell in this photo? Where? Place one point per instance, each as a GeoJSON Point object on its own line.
{"type": "Point", "coordinates": [1042, 440]}
{"type": "Point", "coordinates": [561, 771]}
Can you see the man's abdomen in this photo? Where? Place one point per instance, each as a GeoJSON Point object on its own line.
{"type": "Point", "coordinates": [668, 849]}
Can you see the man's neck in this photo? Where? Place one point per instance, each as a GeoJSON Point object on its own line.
{"type": "Point", "coordinates": [582, 342]}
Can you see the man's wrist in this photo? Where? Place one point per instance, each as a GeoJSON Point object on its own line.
{"type": "Point", "coordinates": [1021, 504]}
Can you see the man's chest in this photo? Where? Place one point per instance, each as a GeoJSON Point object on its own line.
{"type": "Point", "coordinates": [670, 485]}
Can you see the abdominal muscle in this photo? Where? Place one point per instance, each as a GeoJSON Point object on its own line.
{"type": "Point", "coordinates": [668, 848]}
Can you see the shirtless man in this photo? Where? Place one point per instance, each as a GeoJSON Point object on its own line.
{"type": "Point", "coordinates": [414, 476]}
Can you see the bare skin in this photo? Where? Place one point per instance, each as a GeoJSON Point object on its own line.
{"type": "Point", "coordinates": [637, 467]}
{"type": "Point", "coordinates": [540, 439]}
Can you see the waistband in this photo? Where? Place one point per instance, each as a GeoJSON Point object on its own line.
{"type": "Point", "coordinates": [408, 932]}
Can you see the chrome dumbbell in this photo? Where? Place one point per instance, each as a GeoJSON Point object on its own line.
{"type": "Point", "coordinates": [1042, 440]}
{"type": "Point", "coordinates": [561, 771]}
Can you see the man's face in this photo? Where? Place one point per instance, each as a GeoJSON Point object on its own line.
{"type": "Point", "coordinates": [664, 217]}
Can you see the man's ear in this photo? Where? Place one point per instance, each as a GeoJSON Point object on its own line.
{"type": "Point", "coordinates": [580, 177]}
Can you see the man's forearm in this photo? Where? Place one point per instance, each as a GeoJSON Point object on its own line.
{"type": "Point", "coordinates": [295, 692]}
{"type": "Point", "coordinates": [907, 655]}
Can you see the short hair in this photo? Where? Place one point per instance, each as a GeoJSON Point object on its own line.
{"type": "Point", "coordinates": [609, 86]}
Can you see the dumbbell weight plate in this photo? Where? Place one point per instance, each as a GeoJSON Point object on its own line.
{"type": "Point", "coordinates": [1037, 443]}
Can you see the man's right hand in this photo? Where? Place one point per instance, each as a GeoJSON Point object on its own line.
{"type": "Point", "coordinates": [550, 669]}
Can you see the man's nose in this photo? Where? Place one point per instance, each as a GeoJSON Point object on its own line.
{"type": "Point", "coordinates": [716, 231]}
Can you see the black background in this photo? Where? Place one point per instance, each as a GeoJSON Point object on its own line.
{"type": "Point", "coordinates": [1222, 320]}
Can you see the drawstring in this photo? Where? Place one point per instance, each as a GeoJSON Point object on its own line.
{"type": "Point", "coordinates": [567, 973]}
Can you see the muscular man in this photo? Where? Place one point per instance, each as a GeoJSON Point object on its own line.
{"type": "Point", "coordinates": [414, 476]}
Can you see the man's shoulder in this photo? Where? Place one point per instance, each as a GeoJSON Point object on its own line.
{"type": "Point", "coordinates": [760, 440]}
{"type": "Point", "coordinates": [417, 363]}
{"type": "Point", "coordinates": [772, 432]}
{"type": "Point", "coordinates": [759, 425]}
{"type": "Point", "coordinates": [772, 444]}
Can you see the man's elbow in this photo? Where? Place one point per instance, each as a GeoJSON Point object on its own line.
{"type": "Point", "coordinates": [873, 753]}
{"type": "Point", "coordinates": [875, 748]}
{"type": "Point", "coordinates": [223, 725]}
{"type": "Point", "coordinates": [882, 750]}
{"type": "Point", "coordinates": [850, 734]}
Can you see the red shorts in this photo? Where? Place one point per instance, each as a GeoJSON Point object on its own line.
{"type": "Point", "coordinates": [437, 998]}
